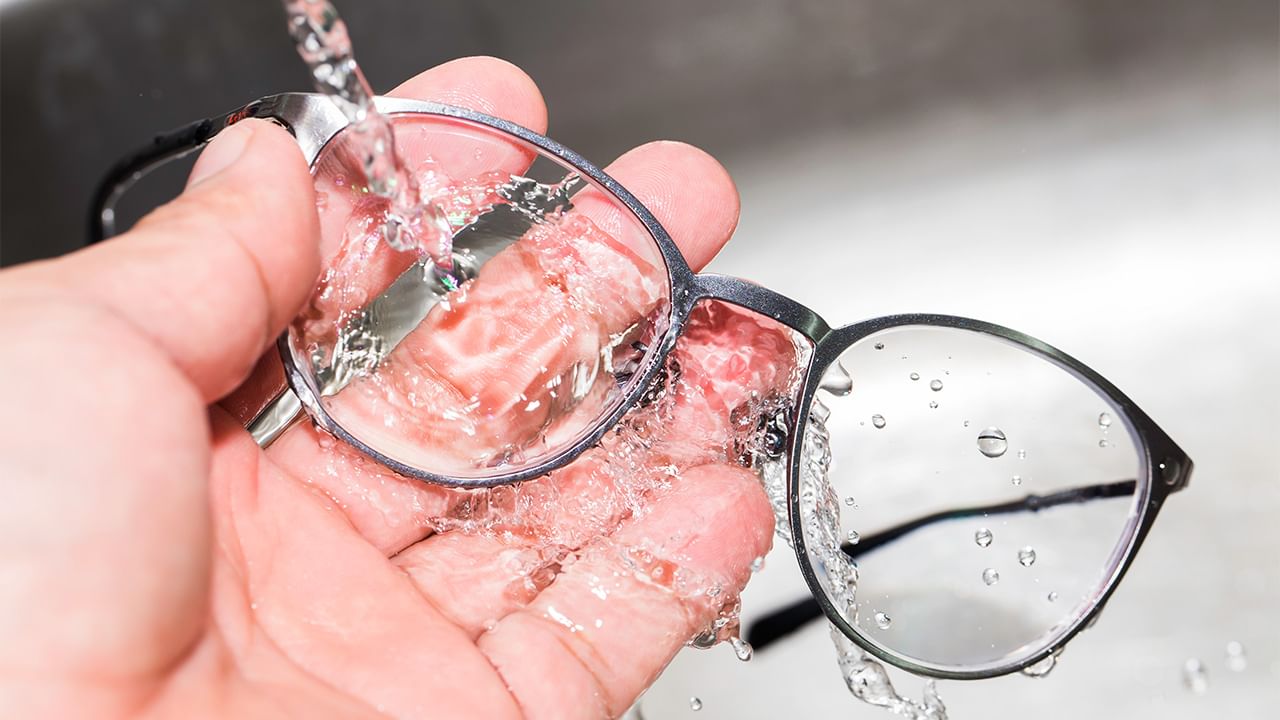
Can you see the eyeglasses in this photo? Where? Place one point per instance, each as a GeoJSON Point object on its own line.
{"type": "Point", "coordinates": [1001, 487]}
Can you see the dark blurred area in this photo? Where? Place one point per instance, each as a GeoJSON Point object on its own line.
{"type": "Point", "coordinates": [86, 80]}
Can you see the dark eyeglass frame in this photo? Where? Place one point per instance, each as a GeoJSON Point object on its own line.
{"type": "Point", "coordinates": [315, 122]}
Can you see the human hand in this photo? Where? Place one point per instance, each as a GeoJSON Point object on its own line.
{"type": "Point", "coordinates": [156, 561]}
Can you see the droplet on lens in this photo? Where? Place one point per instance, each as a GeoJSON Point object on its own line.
{"type": "Point", "coordinates": [993, 443]}
{"type": "Point", "coordinates": [878, 421]}
{"type": "Point", "coordinates": [935, 385]}
{"type": "Point", "coordinates": [983, 537]}
{"type": "Point", "coordinates": [1103, 443]}
{"type": "Point", "coordinates": [849, 501]}
{"type": "Point", "coordinates": [990, 576]}
{"type": "Point", "coordinates": [883, 621]}
{"type": "Point", "coordinates": [915, 376]}
{"type": "Point", "coordinates": [1104, 420]}
{"type": "Point", "coordinates": [695, 704]}
{"type": "Point", "coordinates": [1016, 480]}
{"type": "Point", "coordinates": [1022, 454]}
{"type": "Point", "coordinates": [854, 537]}
{"type": "Point", "coordinates": [933, 404]}
{"type": "Point", "coordinates": [741, 648]}
{"type": "Point", "coordinates": [1053, 597]}
{"type": "Point", "coordinates": [836, 381]}
{"type": "Point", "coordinates": [1027, 556]}
{"type": "Point", "coordinates": [879, 346]}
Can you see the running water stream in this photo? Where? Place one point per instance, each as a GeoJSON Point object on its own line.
{"type": "Point", "coordinates": [412, 222]}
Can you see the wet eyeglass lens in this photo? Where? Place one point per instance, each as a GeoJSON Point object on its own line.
{"type": "Point", "coordinates": [981, 496]}
{"type": "Point", "coordinates": [556, 295]}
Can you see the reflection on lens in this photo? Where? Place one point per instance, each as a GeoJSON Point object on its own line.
{"type": "Point", "coordinates": [556, 297]}
{"type": "Point", "coordinates": [989, 514]}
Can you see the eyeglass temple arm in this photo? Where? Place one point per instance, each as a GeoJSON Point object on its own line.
{"type": "Point", "coordinates": [779, 624]}
{"type": "Point", "coordinates": [1030, 503]}
{"type": "Point", "coordinates": [163, 148]}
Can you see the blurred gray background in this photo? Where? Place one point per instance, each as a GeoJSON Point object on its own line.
{"type": "Point", "coordinates": [1103, 175]}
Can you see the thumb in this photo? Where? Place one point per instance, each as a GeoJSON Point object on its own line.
{"type": "Point", "coordinates": [215, 275]}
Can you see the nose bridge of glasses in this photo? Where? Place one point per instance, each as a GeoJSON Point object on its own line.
{"type": "Point", "coordinates": [760, 299]}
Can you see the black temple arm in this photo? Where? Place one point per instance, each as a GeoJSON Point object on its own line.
{"type": "Point", "coordinates": [781, 623]}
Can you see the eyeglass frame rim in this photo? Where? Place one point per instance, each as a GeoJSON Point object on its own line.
{"type": "Point", "coordinates": [314, 122]}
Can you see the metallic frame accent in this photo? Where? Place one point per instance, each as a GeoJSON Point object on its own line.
{"type": "Point", "coordinates": [314, 122]}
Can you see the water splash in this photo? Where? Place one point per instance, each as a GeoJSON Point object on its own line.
{"type": "Point", "coordinates": [1195, 677]}
{"type": "Point", "coordinates": [1236, 659]}
{"type": "Point", "coordinates": [819, 510]}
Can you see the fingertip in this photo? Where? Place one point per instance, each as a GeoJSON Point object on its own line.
{"type": "Point", "coordinates": [688, 191]}
{"type": "Point", "coordinates": [714, 522]}
{"type": "Point", "coordinates": [487, 84]}
{"type": "Point", "coordinates": [266, 199]}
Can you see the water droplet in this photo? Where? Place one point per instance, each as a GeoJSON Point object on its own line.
{"type": "Point", "coordinates": [837, 381]}
{"type": "Point", "coordinates": [883, 621]}
{"type": "Point", "coordinates": [915, 376]}
{"type": "Point", "coordinates": [1053, 597]}
{"type": "Point", "coordinates": [741, 648]}
{"type": "Point", "coordinates": [933, 404]}
{"type": "Point", "coordinates": [935, 385]}
{"type": "Point", "coordinates": [879, 346]}
{"type": "Point", "coordinates": [1027, 556]}
{"type": "Point", "coordinates": [1016, 480]}
{"type": "Point", "coordinates": [695, 704]}
{"type": "Point", "coordinates": [1237, 661]}
{"type": "Point", "coordinates": [993, 443]}
{"type": "Point", "coordinates": [1042, 668]}
{"type": "Point", "coordinates": [1022, 454]}
{"type": "Point", "coordinates": [966, 423]}
{"type": "Point", "coordinates": [849, 501]}
{"type": "Point", "coordinates": [1195, 677]}
{"type": "Point", "coordinates": [758, 564]}
{"type": "Point", "coordinates": [878, 421]}
{"type": "Point", "coordinates": [983, 537]}
{"type": "Point", "coordinates": [1103, 443]}
{"type": "Point", "coordinates": [990, 576]}
{"type": "Point", "coordinates": [1104, 420]}
{"type": "Point", "coordinates": [854, 537]}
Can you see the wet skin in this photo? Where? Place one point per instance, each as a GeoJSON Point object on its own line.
{"type": "Point", "coordinates": [158, 563]}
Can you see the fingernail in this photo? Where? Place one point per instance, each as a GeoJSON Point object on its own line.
{"type": "Point", "coordinates": [222, 152]}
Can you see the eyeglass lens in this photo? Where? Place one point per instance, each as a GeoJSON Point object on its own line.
{"type": "Point", "coordinates": [557, 295]}
{"type": "Point", "coordinates": [982, 495]}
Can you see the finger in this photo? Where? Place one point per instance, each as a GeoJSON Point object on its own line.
{"type": "Point", "coordinates": [212, 277]}
{"type": "Point", "coordinates": [733, 369]}
{"type": "Point", "coordinates": [608, 625]}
